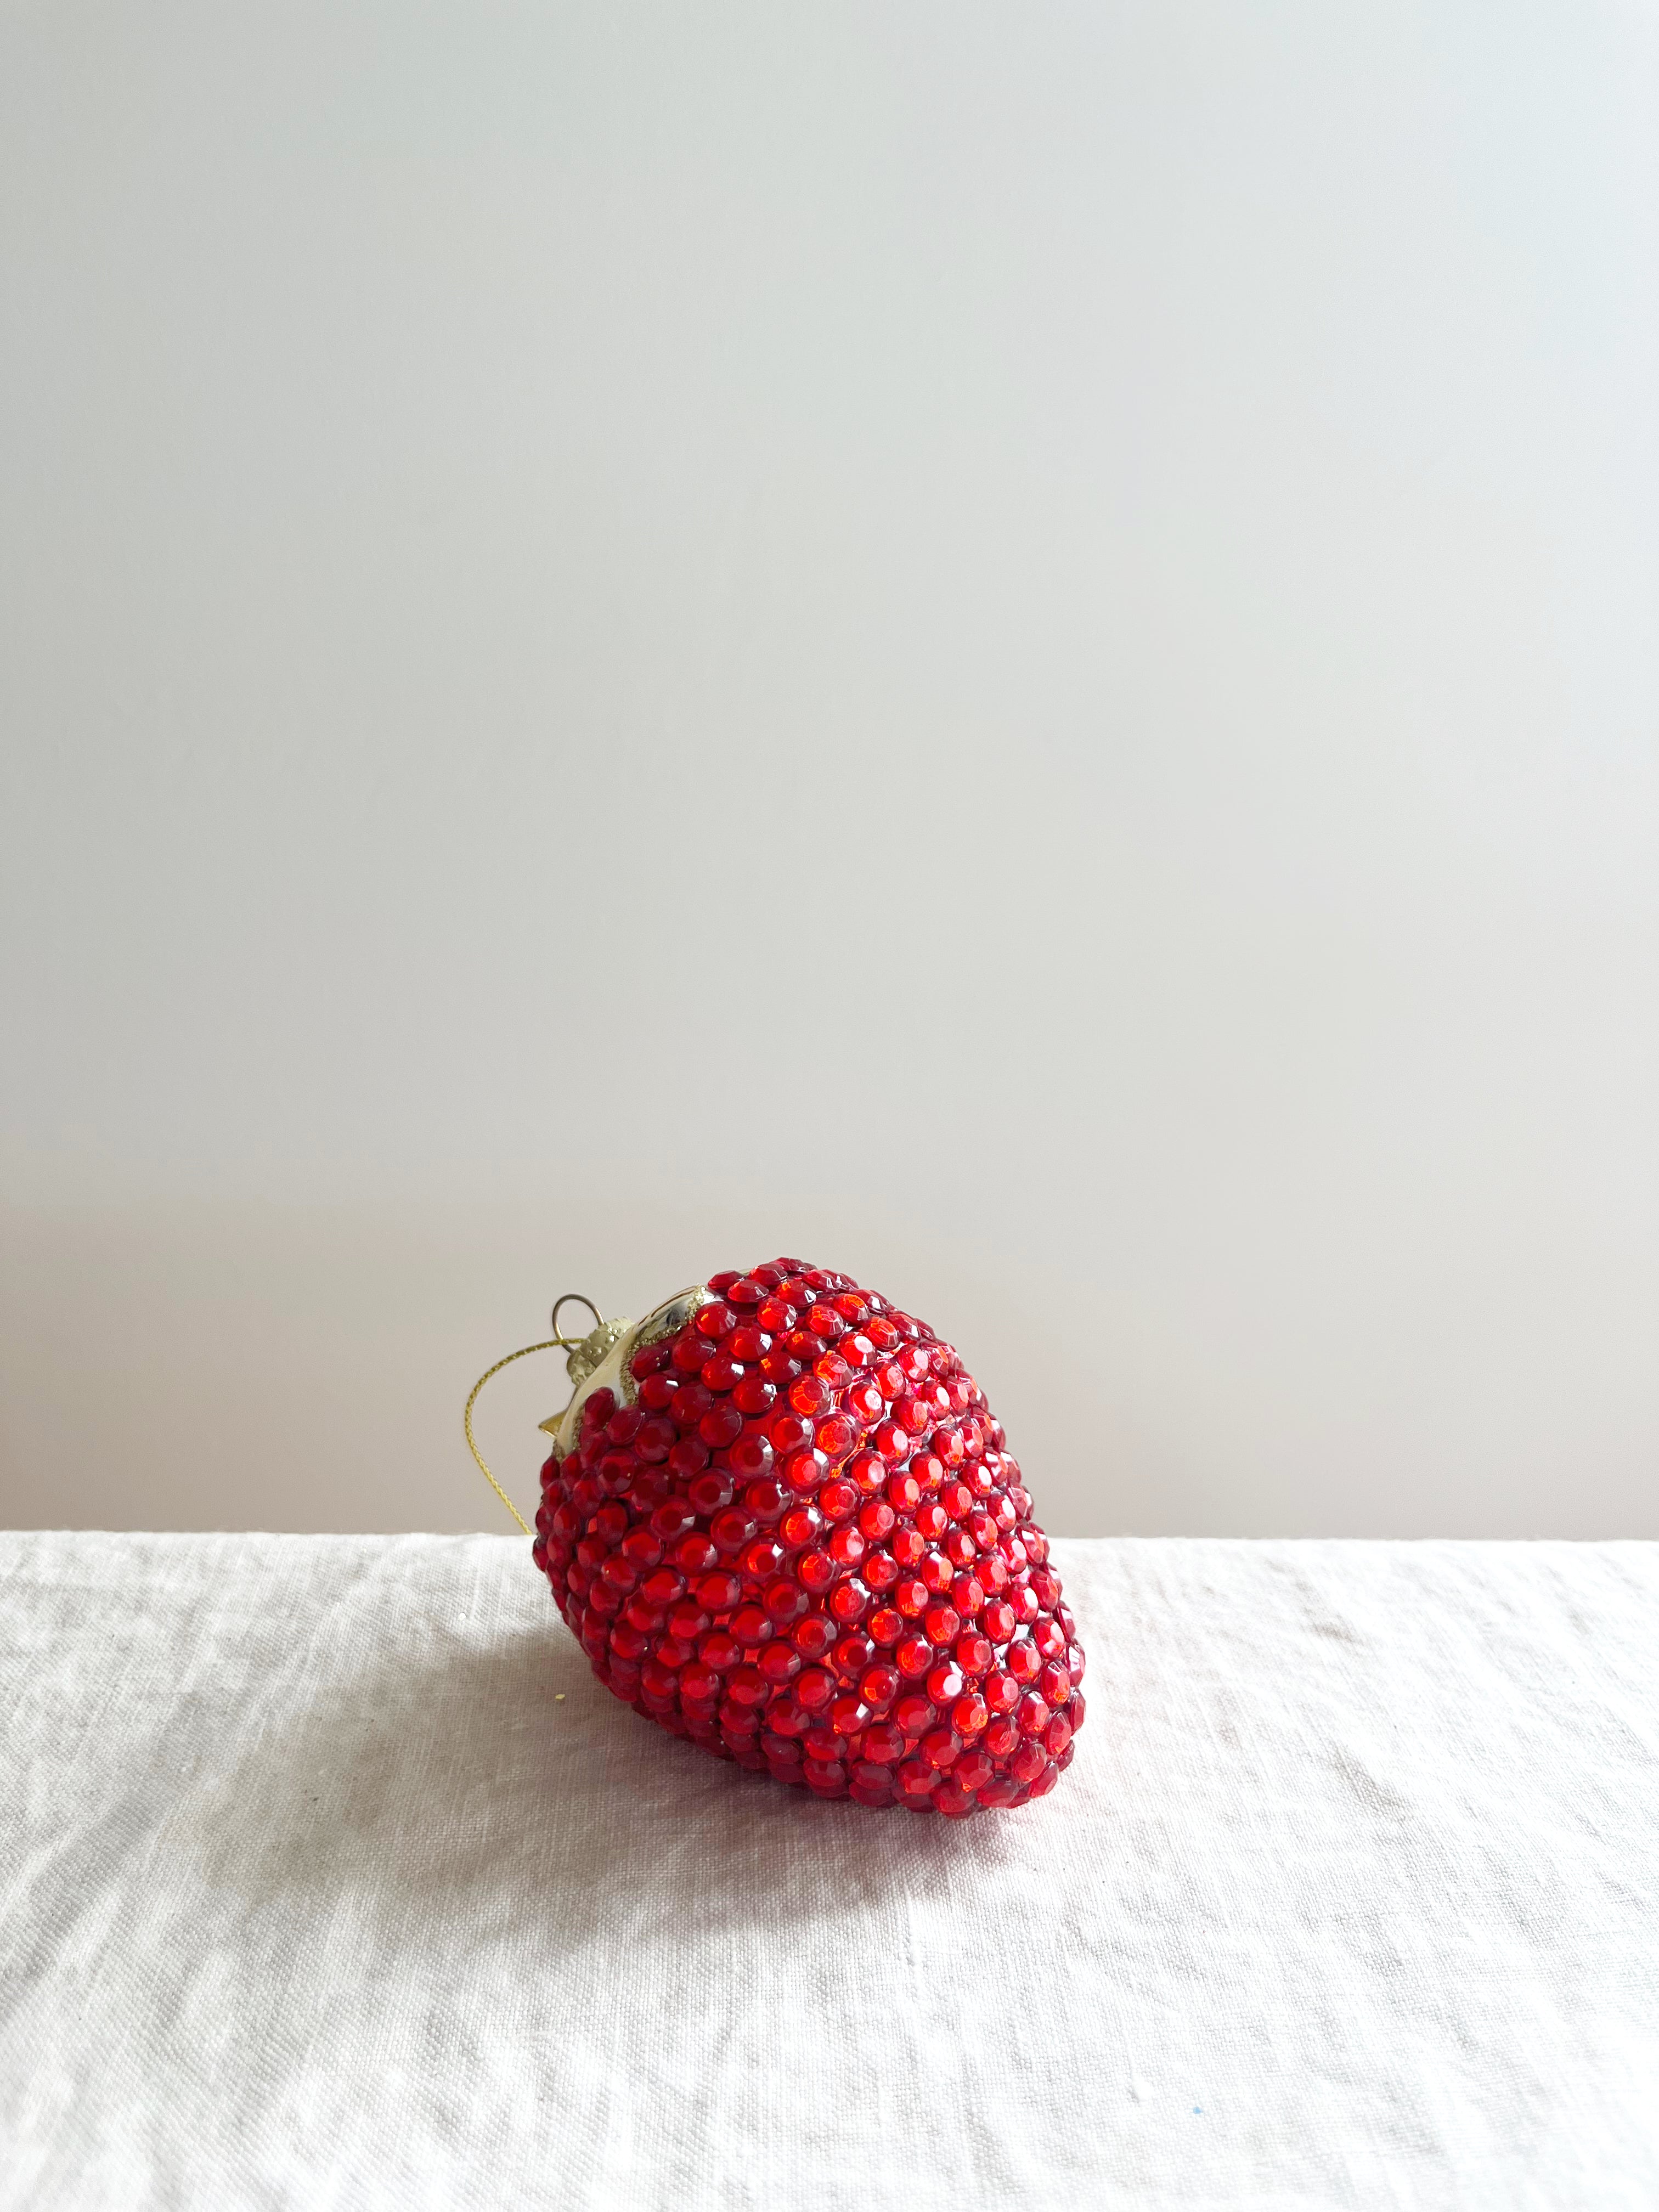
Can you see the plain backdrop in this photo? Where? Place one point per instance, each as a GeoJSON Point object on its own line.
{"type": "Point", "coordinates": [1014, 648]}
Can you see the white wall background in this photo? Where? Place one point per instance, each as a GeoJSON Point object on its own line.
{"type": "Point", "coordinates": [1019, 647]}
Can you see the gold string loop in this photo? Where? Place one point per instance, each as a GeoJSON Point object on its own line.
{"type": "Point", "coordinates": [557, 1342]}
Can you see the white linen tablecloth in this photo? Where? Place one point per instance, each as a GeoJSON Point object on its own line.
{"type": "Point", "coordinates": [332, 1878]}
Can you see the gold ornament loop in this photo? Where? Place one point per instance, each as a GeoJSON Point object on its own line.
{"type": "Point", "coordinates": [570, 1345]}
{"type": "Point", "coordinates": [574, 1299]}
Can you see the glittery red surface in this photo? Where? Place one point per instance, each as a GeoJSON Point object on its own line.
{"type": "Point", "coordinates": [807, 1549]}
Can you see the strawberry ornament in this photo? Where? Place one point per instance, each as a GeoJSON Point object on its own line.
{"type": "Point", "coordinates": [781, 1520]}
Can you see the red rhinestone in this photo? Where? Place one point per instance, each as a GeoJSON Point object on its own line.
{"type": "Point", "coordinates": [749, 1456]}
{"type": "Point", "coordinates": [740, 1290]}
{"type": "Point", "coordinates": [940, 1746]}
{"type": "Point", "coordinates": [779, 1662]}
{"type": "Point", "coordinates": [688, 1457]}
{"type": "Point", "coordinates": [808, 1395]}
{"type": "Point", "coordinates": [762, 1560]}
{"type": "Point", "coordinates": [753, 1395]}
{"type": "Point", "coordinates": [799, 1527]}
{"type": "Point", "coordinates": [907, 1546]}
{"type": "Point", "coordinates": [1054, 1685]}
{"type": "Point", "coordinates": [815, 1570]}
{"type": "Point", "coordinates": [814, 1689]}
{"type": "Point", "coordinates": [903, 1490]}
{"type": "Point", "coordinates": [973, 1770]}
{"type": "Point", "coordinates": [884, 1744]}
{"type": "Point", "coordinates": [656, 1439]}
{"type": "Point", "coordinates": [969, 1717]}
{"type": "Point", "coordinates": [1025, 1765]}
{"type": "Point", "coordinates": [802, 1470]}
{"type": "Point", "coordinates": [946, 1683]}
{"type": "Point", "coordinates": [785, 1600]}
{"type": "Point", "coordinates": [998, 1620]}
{"type": "Point", "coordinates": [1002, 1736]}
{"type": "Point", "coordinates": [847, 1546]}
{"type": "Point", "coordinates": [916, 1777]}
{"type": "Point", "coordinates": [788, 1432]}
{"type": "Point", "coordinates": [849, 1599]}
{"type": "Point", "coordinates": [711, 1491]}
{"type": "Point", "coordinates": [868, 1470]}
{"type": "Point", "coordinates": [1034, 1715]}
{"type": "Point", "coordinates": [866, 1403]}
{"type": "Point", "coordinates": [1022, 1662]}
{"type": "Point", "coordinates": [942, 1623]}
{"type": "Point", "coordinates": [886, 1625]}
{"type": "Point", "coordinates": [1001, 1692]}
{"type": "Point", "coordinates": [721, 1427]}
{"type": "Point", "coordinates": [891, 1441]}
{"type": "Point", "coordinates": [719, 1593]}
{"type": "Point", "coordinates": [973, 1655]}
{"type": "Point", "coordinates": [910, 1598]}
{"type": "Point", "coordinates": [837, 1500]}
{"type": "Point", "coordinates": [813, 1636]}
{"type": "Point", "coordinates": [835, 1437]}
{"type": "Point", "coordinates": [912, 1656]}
{"type": "Point", "coordinates": [936, 1572]}
{"type": "Point", "coordinates": [870, 1785]}
{"type": "Point", "coordinates": [775, 1315]}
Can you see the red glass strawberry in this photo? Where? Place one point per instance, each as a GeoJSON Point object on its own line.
{"type": "Point", "coordinates": [781, 1520]}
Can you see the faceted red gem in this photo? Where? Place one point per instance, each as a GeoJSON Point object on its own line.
{"type": "Point", "coordinates": [940, 1745]}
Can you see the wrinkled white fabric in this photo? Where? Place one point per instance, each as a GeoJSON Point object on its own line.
{"type": "Point", "coordinates": [332, 1878]}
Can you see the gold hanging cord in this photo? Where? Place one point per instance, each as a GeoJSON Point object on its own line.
{"type": "Point", "coordinates": [557, 1342]}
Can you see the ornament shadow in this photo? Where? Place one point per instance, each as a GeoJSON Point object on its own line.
{"type": "Point", "coordinates": [497, 1787]}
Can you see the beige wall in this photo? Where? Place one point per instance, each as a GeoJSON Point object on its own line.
{"type": "Point", "coordinates": [1013, 648]}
